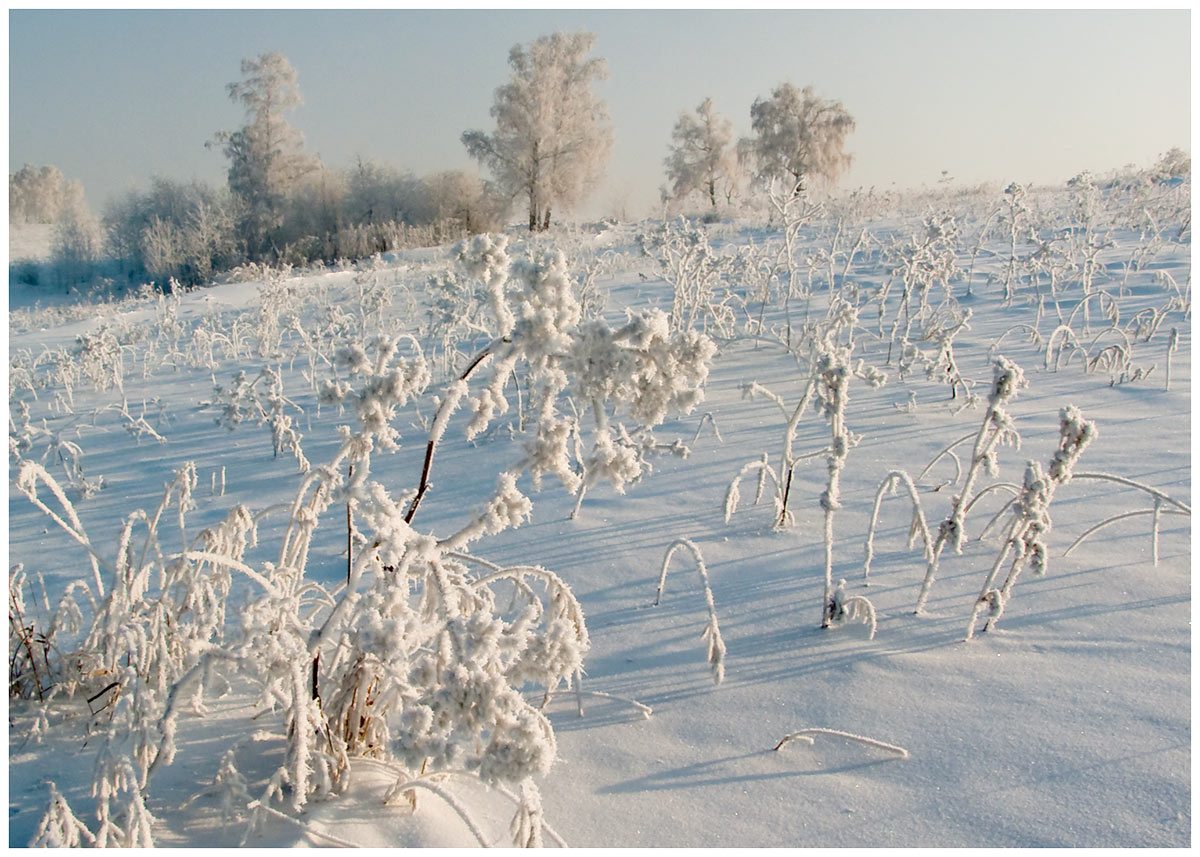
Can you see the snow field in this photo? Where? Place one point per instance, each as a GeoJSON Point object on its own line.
{"type": "Point", "coordinates": [1067, 725]}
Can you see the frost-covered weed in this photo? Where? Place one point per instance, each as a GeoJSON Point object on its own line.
{"type": "Point", "coordinates": [918, 526]}
{"type": "Point", "coordinates": [997, 427]}
{"type": "Point", "coordinates": [804, 735]}
{"type": "Point", "coordinates": [925, 261]}
{"type": "Point", "coordinates": [712, 631]}
{"type": "Point", "coordinates": [1026, 536]}
{"type": "Point", "coordinates": [265, 405]}
{"type": "Point", "coordinates": [822, 342]}
{"type": "Point", "coordinates": [1163, 505]}
{"type": "Point", "coordinates": [699, 278]}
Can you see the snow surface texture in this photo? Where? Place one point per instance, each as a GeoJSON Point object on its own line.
{"type": "Point", "coordinates": [1065, 723]}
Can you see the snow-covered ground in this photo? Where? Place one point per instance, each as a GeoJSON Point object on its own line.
{"type": "Point", "coordinates": [1068, 724]}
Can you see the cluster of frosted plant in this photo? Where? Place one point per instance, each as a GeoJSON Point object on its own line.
{"type": "Point", "coordinates": [372, 296]}
{"type": "Point", "coordinates": [1026, 536]}
{"type": "Point", "coordinates": [937, 360]}
{"type": "Point", "coordinates": [644, 368]}
{"type": "Point", "coordinates": [260, 400]}
{"type": "Point", "coordinates": [25, 436]}
{"type": "Point", "coordinates": [823, 342]}
{"type": "Point", "coordinates": [384, 382]}
{"type": "Point", "coordinates": [420, 658]}
{"type": "Point", "coordinates": [926, 261]}
{"type": "Point", "coordinates": [454, 315]}
{"type": "Point", "coordinates": [995, 429]}
{"type": "Point", "coordinates": [698, 276]}
{"type": "Point", "coordinates": [277, 298]}
{"type": "Point", "coordinates": [1017, 218]}
{"type": "Point", "coordinates": [100, 356]}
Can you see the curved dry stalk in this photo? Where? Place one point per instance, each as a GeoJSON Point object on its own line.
{"type": "Point", "coordinates": [707, 417]}
{"type": "Point", "coordinates": [918, 526]}
{"type": "Point", "coordinates": [803, 735]}
{"type": "Point", "coordinates": [712, 632]}
{"type": "Point", "coordinates": [1067, 334]}
{"type": "Point", "coordinates": [420, 783]}
{"type": "Point", "coordinates": [1115, 518]}
{"type": "Point", "coordinates": [1121, 480]}
{"type": "Point", "coordinates": [26, 476]}
{"type": "Point", "coordinates": [454, 396]}
{"type": "Point", "coordinates": [733, 494]}
{"type": "Point", "coordinates": [949, 451]}
{"type": "Point", "coordinates": [1035, 337]}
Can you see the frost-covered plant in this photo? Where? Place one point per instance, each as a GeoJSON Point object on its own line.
{"type": "Point", "coordinates": [804, 735]}
{"type": "Point", "coordinates": [1018, 218]}
{"type": "Point", "coordinates": [925, 261]}
{"type": "Point", "coordinates": [59, 827]}
{"type": "Point", "coordinates": [1172, 345]}
{"type": "Point", "coordinates": [781, 479]}
{"type": "Point", "coordinates": [712, 631]}
{"type": "Point", "coordinates": [1026, 536]}
{"type": "Point", "coordinates": [997, 427]}
{"type": "Point", "coordinates": [698, 276]}
{"type": "Point", "coordinates": [245, 400]}
{"type": "Point", "coordinates": [795, 209]}
{"type": "Point", "coordinates": [848, 608]}
{"type": "Point", "coordinates": [277, 302]}
{"type": "Point", "coordinates": [939, 363]}
{"type": "Point", "coordinates": [918, 526]}
{"type": "Point", "coordinates": [821, 339]}
{"type": "Point", "coordinates": [833, 385]}
{"type": "Point", "coordinates": [100, 356]}
{"type": "Point", "coordinates": [30, 674]}
{"type": "Point", "coordinates": [1164, 504]}
{"type": "Point", "coordinates": [423, 654]}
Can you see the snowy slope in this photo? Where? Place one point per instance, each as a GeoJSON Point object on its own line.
{"type": "Point", "coordinates": [1067, 725]}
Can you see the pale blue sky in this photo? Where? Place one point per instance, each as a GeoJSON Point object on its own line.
{"type": "Point", "coordinates": [112, 98]}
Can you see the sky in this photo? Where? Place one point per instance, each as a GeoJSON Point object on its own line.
{"type": "Point", "coordinates": [113, 98]}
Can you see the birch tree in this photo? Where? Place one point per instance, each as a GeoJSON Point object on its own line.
{"type": "Point", "coordinates": [551, 140]}
{"type": "Point", "coordinates": [801, 135]}
{"type": "Point", "coordinates": [703, 157]}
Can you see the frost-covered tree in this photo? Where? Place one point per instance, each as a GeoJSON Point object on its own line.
{"type": "Point", "coordinates": [1173, 162]}
{"type": "Point", "coordinates": [35, 194]}
{"type": "Point", "coordinates": [175, 230]}
{"type": "Point", "coordinates": [550, 144]}
{"type": "Point", "coordinates": [703, 156]}
{"type": "Point", "coordinates": [76, 247]}
{"type": "Point", "coordinates": [266, 156]}
{"type": "Point", "coordinates": [801, 135]}
{"type": "Point", "coordinates": [458, 197]}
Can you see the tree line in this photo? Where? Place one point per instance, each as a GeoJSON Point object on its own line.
{"type": "Point", "coordinates": [546, 153]}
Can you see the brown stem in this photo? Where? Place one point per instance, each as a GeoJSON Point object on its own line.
{"type": "Point", "coordinates": [423, 486]}
{"type": "Point", "coordinates": [26, 635]}
{"type": "Point", "coordinates": [349, 534]}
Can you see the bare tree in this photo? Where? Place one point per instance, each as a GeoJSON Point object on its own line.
{"type": "Point", "coordinates": [266, 156]}
{"type": "Point", "coordinates": [550, 143]}
{"type": "Point", "coordinates": [703, 156]}
{"type": "Point", "coordinates": [801, 135]}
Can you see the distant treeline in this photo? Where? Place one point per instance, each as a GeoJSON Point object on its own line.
{"type": "Point", "coordinates": [190, 231]}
